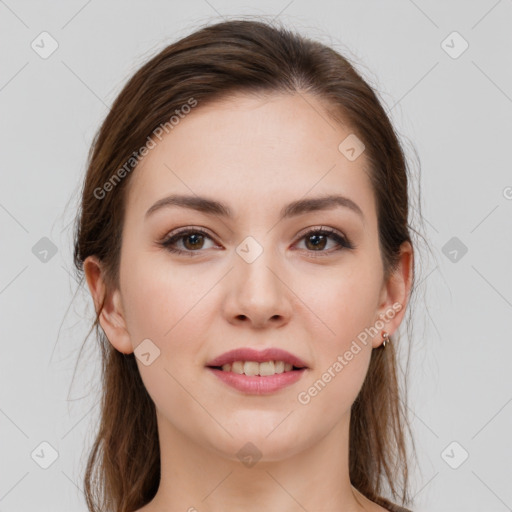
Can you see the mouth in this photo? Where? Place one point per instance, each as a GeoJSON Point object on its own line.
{"type": "Point", "coordinates": [258, 372]}
{"type": "Point", "coordinates": [254, 368]}
{"type": "Point", "coordinates": [253, 362]}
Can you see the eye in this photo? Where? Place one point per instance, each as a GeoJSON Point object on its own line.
{"type": "Point", "coordinates": [316, 240]}
{"type": "Point", "coordinates": [192, 240]}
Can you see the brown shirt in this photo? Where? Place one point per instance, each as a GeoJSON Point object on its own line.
{"type": "Point", "coordinates": [383, 502]}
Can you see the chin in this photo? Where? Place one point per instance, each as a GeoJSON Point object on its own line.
{"type": "Point", "coordinates": [251, 442]}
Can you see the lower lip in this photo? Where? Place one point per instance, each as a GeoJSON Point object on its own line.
{"type": "Point", "coordinates": [256, 384]}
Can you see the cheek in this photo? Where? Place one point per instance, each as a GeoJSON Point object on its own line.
{"type": "Point", "coordinates": [343, 354]}
{"type": "Point", "coordinates": [348, 303]}
{"type": "Point", "coordinates": [169, 306]}
{"type": "Point", "coordinates": [164, 305]}
{"type": "Point", "coordinates": [160, 300]}
{"type": "Point", "coordinates": [352, 309]}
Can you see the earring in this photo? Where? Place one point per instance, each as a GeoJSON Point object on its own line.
{"type": "Point", "coordinates": [385, 337]}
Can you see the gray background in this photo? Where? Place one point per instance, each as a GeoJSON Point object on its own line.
{"type": "Point", "coordinates": [453, 108]}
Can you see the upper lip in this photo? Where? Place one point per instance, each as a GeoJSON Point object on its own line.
{"type": "Point", "coordinates": [260, 356]}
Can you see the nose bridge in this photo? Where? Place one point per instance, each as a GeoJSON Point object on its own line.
{"type": "Point", "coordinates": [259, 294]}
{"type": "Point", "coordinates": [253, 264]}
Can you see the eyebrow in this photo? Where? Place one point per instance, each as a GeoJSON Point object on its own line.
{"type": "Point", "coordinates": [295, 208]}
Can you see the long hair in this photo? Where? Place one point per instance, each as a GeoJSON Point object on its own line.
{"type": "Point", "coordinates": [123, 467]}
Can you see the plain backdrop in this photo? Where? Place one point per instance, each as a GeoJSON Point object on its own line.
{"type": "Point", "coordinates": [442, 70]}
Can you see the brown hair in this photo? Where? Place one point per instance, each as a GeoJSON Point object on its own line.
{"type": "Point", "coordinates": [123, 467]}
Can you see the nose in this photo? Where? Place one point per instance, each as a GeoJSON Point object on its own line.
{"type": "Point", "coordinates": [258, 294]}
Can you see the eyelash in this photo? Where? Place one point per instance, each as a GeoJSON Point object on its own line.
{"type": "Point", "coordinates": [341, 240]}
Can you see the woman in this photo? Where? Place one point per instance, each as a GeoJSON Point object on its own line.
{"type": "Point", "coordinates": [243, 233]}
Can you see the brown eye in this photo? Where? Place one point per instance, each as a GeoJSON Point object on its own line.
{"type": "Point", "coordinates": [188, 241]}
{"type": "Point", "coordinates": [196, 241]}
{"type": "Point", "coordinates": [317, 240]}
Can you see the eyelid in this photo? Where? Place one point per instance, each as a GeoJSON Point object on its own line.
{"type": "Point", "coordinates": [316, 228]}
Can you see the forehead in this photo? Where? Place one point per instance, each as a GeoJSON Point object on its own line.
{"type": "Point", "coordinates": [253, 150]}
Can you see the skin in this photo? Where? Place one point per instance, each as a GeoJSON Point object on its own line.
{"type": "Point", "coordinates": [256, 154]}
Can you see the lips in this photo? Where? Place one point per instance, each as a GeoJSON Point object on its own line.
{"type": "Point", "coordinates": [259, 356]}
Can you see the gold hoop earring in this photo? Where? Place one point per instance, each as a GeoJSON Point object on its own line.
{"type": "Point", "coordinates": [385, 338]}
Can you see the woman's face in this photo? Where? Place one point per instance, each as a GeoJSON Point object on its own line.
{"type": "Point", "coordinates": [264, 276]}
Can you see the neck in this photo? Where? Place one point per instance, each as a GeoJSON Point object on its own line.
{"type": "Point", "coordinates": [198, 478]}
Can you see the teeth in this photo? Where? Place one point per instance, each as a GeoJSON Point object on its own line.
{"type": "Point", "coordinates": [252, 368]}
{"type": "Point", "coordinates": [266, 368]}
{"type": "Point", "coordinates": [238, 367]}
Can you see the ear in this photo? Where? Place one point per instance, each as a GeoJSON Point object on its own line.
{"type": "Point", "coordinates": [111, 318]}
{"type": "Point", "coordinates": [395, 294]}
